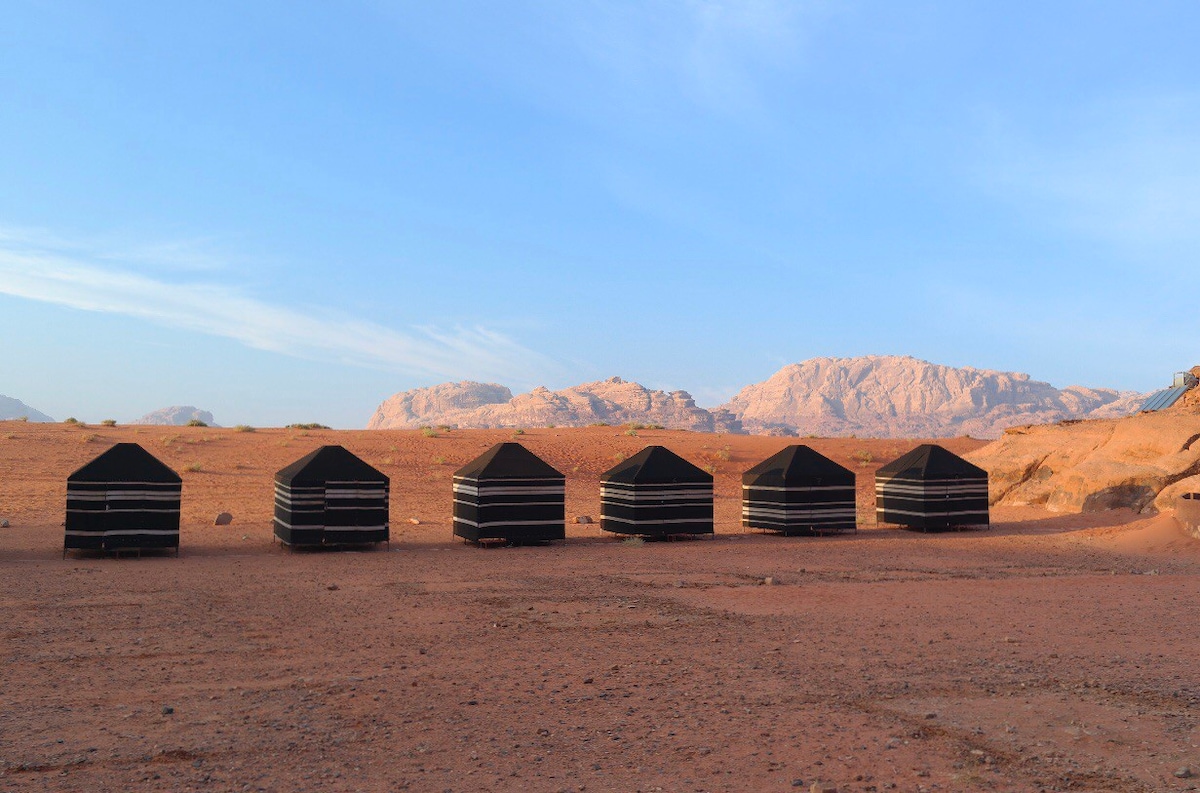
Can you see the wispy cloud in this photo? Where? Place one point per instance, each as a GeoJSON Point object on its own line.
{"type": "Point", "coordinates": [62, 275]}
{"type": "Point", "coordinates": [1126, 170]}
{"type": "Point", "coordinates": [713, 51]}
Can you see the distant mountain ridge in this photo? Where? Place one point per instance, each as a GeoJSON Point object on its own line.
{"type": "Point", "coordinates": [873, 396]}
{"type": "Point", "coordinates": [11, 408]}
{"type": "Point", "coordinates": [901, 396]}
{"type": "Point", "coordinates": [611, 401]}
{"type": "Point", "coordinates": [176, 416]}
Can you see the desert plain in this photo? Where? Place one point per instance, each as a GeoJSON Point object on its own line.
{"type": "Point", "coordinates": [1048, 651]}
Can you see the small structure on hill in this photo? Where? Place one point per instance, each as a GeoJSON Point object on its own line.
{"type": "Point", "coordinates": [799, 491]}
{"type": "Point", "coordinates": [510, 494]}
{"type": "Point", "coordinates": [931, 488]}
{"type": "Point", "coordinates": [123, 500]}
{"type": "Point", "coordinates": [656, 493]}
{"type": "Point", "coordinates": [1161, 400]}
{"type": "Point", "coordinates": [331, 497]}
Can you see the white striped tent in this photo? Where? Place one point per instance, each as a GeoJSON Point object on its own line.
{"type": "Point", "coordinates": [509, 493]}
{"type": "Point", "coordinates": [656, 493]}
{"type": "Point", "coordinates": [124, 500]}
{"type": "Point", "coordinates": [931, 488]}
{"type": "Point", "coordinates": [799, 491]}
{"type": "Point", "coordinates": [331, 497]}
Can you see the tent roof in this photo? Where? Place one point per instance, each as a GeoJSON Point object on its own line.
{"type": "Point", "coordinates": [326, 463]}
{"type": "Point", "coordinates": [125, 462]}
{"type": "Point", "coordinates": [797, 464]}
{"type": "Point", "coordinates": [655, 465]}
{"type": "Point", "coordinates": [508, 461]}
{"type": "Point", "coordinates": [930, 461]}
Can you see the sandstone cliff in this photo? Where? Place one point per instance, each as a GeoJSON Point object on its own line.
{"type": "Point", "coordinates": [611, 401]}
{"type": "Point", "coordinates": [1141, 462]}
{"type": "Point", "coordinates": [899, 396]}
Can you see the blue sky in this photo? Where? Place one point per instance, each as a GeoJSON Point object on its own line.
{"type": "Point", "coordinates": [288, 211]}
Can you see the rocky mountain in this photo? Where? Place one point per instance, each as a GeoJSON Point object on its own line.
{"type": "Point", "coordinates": [14, 409]}
{"type": "Point", "coordinates": [882, 396]}
{"type": "Point", "coordinates": [900, 396]}
{"type": "Point", "coordinates": [611, 401]}
{"type": "Point", "coordinates": [176, 416]}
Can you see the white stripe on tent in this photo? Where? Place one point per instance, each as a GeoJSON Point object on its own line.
{"type": "Point", "coordinates": [928, 513]}
{"type": "Point", "coordinates": [815, 489]}
{"type": "Point", "coordinates": [489, 523]}
{"type": "Point", "coordinates": [659, 521]}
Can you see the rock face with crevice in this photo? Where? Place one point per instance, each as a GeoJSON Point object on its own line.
{"type": "Point", "coordinates": [1141, 462]}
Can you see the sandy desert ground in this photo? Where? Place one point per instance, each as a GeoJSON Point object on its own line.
{"type": "Point", "coordinates": [1048, 652]}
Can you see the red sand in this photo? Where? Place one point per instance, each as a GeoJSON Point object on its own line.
{"type": "Point", "coordinates": [1047, 652]}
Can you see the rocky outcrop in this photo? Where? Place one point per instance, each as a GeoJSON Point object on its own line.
{"type": "Point", "coordinates": [1141, 462]}
{"type": "Point", "coordinates": [16, 409]}
{"type": "Point", "coordinates": [611, 401]}
{"type": "Point", "coordinates": [902, 397]}
{"type": "Point", "coordinates": [176, 416]}
{"type": "Point", "coordinates": [427, 407]}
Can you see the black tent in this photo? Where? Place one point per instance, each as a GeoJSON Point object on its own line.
{"type": "Point", "coordinates": [125, 499]}
{"type": "Point", "coordinates": [331, 497]}
{"type": "Point", "coordinates": [509, 493]}
{"type": "Point", "coordinates": [799, 491]}
{"type": "Point", "coordinates": [931, 488]}
{"type": "Point", "coordinates": [656, 493]}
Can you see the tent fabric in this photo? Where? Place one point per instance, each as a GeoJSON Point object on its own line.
{"type": "Point", "coordinates": [509, 493]}
{"type": "Point", "coordinates": [656, 493]}
{"type": "Point", "coordinates": [799, 491]}
{"type": "Point", "coordinates": [931, 488]}
{"type": "Point", "coordinates": [124, 499]}
{"type": "Point", "coordinates": [331, 497]}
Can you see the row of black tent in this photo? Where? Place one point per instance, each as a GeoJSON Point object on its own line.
{"type": "Point", "coordinates": [127, 499]}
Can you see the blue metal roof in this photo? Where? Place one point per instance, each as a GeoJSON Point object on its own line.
{"type": "Point", "coordinates": [1163, 399]}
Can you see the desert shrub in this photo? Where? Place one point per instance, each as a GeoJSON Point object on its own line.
{"type": "Point", "coordinates": [654, 426]}
{"type": "Point", "coordinates": [723, 454]}
{"type": "Point", "coordinates": [243, 428]}
{"type": "Point", "coordinates": [444, 427]}
{"type": "Point", "coordinates": [196, 423]}
{"type": "Point", "coordinates": [429, 432]}
{"type": "Point", "coordinates": [712, 469]}
{"type": "Point", "coordinates": [70, 420]}
{"type": "Point", "coordinates": [863, 456]}
{"type": "Point", "coordinates": [632, 431]}
{"type": "Point", "coordinates": [310, 426]}
{"type": "Point", "coordinates": [439, 460]}
{"type": "Point", "coordinates": [599, 424]}
{"type": "Point", "coordinates": [518, 431]}
{"type": "Point", "coordinates": [21, 418]}
{"type": "Point", "coordinates": [194, 468]}
{"type": "Point", "coordinates": [90, 437]}
{"type": "Point", "coordinates": [633, 541]}
{"type": "Point", "coordinates": [108, 423]}
{"type": "Point", "coordinates": [633, 425]}
{"type": "Point", "coordinates": [619, 457]}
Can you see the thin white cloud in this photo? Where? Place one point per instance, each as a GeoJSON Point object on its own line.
{"type": "Point", "coordinates": [68, 279]}
{"type": "Point", "coordinates": [715, 52]}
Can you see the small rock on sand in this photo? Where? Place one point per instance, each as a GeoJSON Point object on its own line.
{"type": "Point", "coordinates": [414, 521]}
{"type": "Point", "coordinates": [224, 519]}
{"type": "Point", "coordinates": [583, 518]}
{"type": "Point", "coordinates": [3, 524]}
